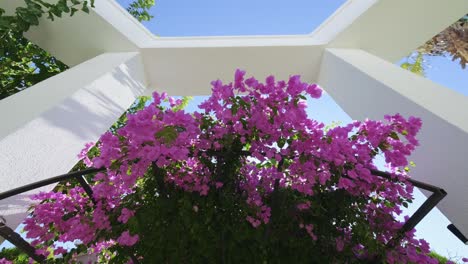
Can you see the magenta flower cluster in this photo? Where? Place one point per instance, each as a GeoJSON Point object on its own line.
{"type": "Point", "coordinates": [270, 121]}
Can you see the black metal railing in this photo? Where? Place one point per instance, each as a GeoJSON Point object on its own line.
{"type": "Point", "coordinates": [6, 232]}
{"type": "Point", "coordinates": [458, 233]}
{"type": "Point", "coordinates": [437, 195]}
{"type": "Point", "coordinates": [79, 175]}
{"type": "Point", "coordinates": [14, 238]}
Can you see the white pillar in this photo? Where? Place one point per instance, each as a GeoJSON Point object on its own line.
{"type": "Point", "coordinates": [366, 86]}
{"type": "Point", "coordinates": [44, 128]}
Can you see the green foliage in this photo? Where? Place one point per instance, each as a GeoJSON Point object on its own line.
{"type": "Point", "coordinates": [139, 9]}
{"type": "Point", "coordinates": [18, 257]}
{"type": "Point", "coordinates": [15, 255]}
{"type": "Point", "coordinates": [332, 125]}
{"type": "Point", "coordinates": [415, 65]}
{"type": "Point", "coordinates": [440, 258]}
{"type": "Point", "coordinates": [22, 63]}
{"type": "Point", "coordinates": [452, 41]}
{"type": "Point", "coordinates": [182, 227]}
{"type": "Point", "coordinates": [185, 101]}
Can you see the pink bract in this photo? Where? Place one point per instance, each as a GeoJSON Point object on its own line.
{"type": "Point", "coordinates": [272, 118]}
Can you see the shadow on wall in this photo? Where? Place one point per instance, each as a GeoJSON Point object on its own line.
{"type": "Point", "coordinates": [92, 110]}
{"type": "Point", "coordinates": [48, 145]}
{"type": "Point", "coordinates": [132, 76]}
{"type": "Point", "coordinates": [14, 209]}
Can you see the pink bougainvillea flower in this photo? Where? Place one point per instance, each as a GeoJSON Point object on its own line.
{"type": "Point", "coordinates": [127, 240]}
{"type": "Point", "coordinates": [282, 148]}
{"type": "Point", "coordinates": [125, 215]}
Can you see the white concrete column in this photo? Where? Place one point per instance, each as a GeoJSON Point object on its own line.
{"type": "Point", "coordinates": [366, 86]}
{"type": "Point", "coordinates": [44, 127]}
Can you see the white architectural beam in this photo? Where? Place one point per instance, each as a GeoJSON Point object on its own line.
{"type": "Point", "coordinates": [390, 29]}
{"type": "Point", "coordinates": [366, 86]}
{"type": "Point", "coordinates": [32, 102]}
{"type": "Point", "coordinates": [57, 117]}
{"type": "Point", "coordinates": [186, 66]}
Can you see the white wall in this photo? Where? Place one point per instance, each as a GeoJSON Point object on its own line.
{"type": "Point", "coordinates": [366, 86]}
{"type": "Point", "coordinates": [73, 108]}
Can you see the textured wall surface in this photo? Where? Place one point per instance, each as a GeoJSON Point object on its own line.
{"type": "Point", "coordinates": [366, 86]}
{"type": "Point", "coordinates": [46, 144]}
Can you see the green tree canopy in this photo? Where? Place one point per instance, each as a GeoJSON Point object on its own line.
{"type": "Point", "coordinates": [452, 41]}
{"type": "Point", "coordinates": [22, 63]}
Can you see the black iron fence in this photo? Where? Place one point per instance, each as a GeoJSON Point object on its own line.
{"type": "Point", "coordinates": [9, 234]}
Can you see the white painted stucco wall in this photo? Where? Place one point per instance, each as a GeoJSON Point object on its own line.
{"type": "Point", "coordinates": [54, 120]}
{"type": "Point", "coordinates": [366, 86]}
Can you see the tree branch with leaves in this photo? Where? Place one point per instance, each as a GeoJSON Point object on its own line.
{"type": "Point", "coordinates": [452, 41]}
{"type": "Point", "coordinates": [22, 63]}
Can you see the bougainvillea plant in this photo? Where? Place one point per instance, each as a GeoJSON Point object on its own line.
{"type": "Point", "coordinates": [248, 179]}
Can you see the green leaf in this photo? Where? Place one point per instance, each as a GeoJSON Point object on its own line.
{"type": "Point", "coordinates": [73, 11]}
{"type": "Point", "coordinates": [56, 11]}
{"type": "Point", "coordinates": [167, 134]}
{"type": "Point", "coordinates": [185, 101]}
{"type": "Point", "coordinates": [234, 109]}
{"type": "Point", "coordinates": [85, 8]}
{"type": "Point", "coordinates": [394, 135]}
{"type": "Point", "coordinates": [281, 142]}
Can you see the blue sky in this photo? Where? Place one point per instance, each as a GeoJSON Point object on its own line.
{"type": "Point", "coordinates": [241, 17]}
{"type": "Point", "coordinates": [174, 18]}
{"type": "Point", "coordinates": [447, 73]}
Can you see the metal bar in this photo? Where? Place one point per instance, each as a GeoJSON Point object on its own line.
{"type": "Point", "coordinates": [426, 186]}
{"type": "Point", "coordinates": [414, 182]}
{"type": "Point", "coordinates": [437, 195]}
{"type": "Point", "coordinates": [48, 181]}
{"type": "Point", "coordinates": [458, 233]}
{"type": "Point", "coordinates": [422, 211]}
{"type": "Point", "coordinates": [15, 239]}
{"type": "Point", "coordinates": [84, 183]}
